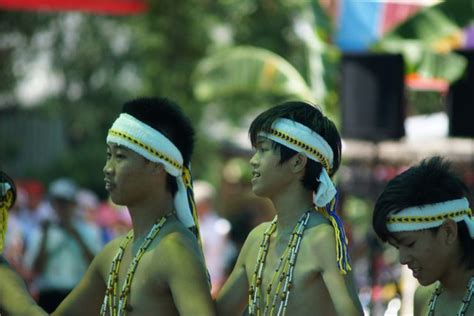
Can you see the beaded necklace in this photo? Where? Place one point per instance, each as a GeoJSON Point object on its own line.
{"type": "Point", "coordinates": [110, 299]}
{"type": "Point", "coordinates": [465, 301]}
{"type": "Point", "coordinates": [283, 272]}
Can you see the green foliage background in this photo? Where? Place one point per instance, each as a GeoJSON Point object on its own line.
{"type": "Point", "coordinates": [103, 61]}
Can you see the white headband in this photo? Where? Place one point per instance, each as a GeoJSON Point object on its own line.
{"type": "Point", "coordinates": [304, 140]}
{"type": "Point", "coordinates": [154, 146]}
{"type": "Point", "coordinates": [431, 215]}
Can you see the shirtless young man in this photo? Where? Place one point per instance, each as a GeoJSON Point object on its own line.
{"type": "Point", "coordinates": [424, 212]}
{"type": "Point", "coordinates": [298, 263]}
{"type": "Point", "coordinates": [14, 296]}
{"type": "Point", "coordinates": [158, 268]}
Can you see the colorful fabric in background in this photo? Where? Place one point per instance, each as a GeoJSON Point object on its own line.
{"type": "Point", "coordinates": [361, 23]}
{"type": "Point", "coordinates": [116, 7]}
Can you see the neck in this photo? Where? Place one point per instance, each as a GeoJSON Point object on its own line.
{"type": "Point", "coordinates": [290, 206]}
{"type": "Point", "coordinates": [147, 212]}
{"type": "Point", "coordinates": [456, 282]}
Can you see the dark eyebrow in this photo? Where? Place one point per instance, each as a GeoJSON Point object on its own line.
{"type": "Point", "coordinates": [113, 146]}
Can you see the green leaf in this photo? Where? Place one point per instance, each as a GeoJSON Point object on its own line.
{"type": "Point", "coordinates": [244, 69]}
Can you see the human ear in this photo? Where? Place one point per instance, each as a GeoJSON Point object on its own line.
{"type": "Point", "coordinates": [158, 168]}
{"type": "Point", "coordinates": [449, 229]}
{"type": "Point", "coordinates": [299, 162]}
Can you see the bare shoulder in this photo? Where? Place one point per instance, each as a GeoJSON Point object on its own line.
{"type": "Point", "coordinates": [257, 232]}
{"type": "Point", "coordinates": [320, 233]}
{"type": "Point", "coordinates": [176, 247]}
{"type": "Point", "coordinates": [422, 297]}
{"type": "Point", "coordinates": [320, 237]}
{"type": "Point", "coordinates": [254, 238]}
{"type": "Point", "coordinates": [175, 239]}
{"type": "Point", "coordinates": [103, 259]}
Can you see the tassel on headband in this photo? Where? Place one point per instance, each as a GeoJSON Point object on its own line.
{"type": "Point", "coordinates": [342, 242]}
{"type": "Point", "coordinates": [7, 199]}
{"type": "Point", "coordinates": [304, 140]}
{"type": "Point", "coordinates": [431, 215]}
{"type": "Point", "coordinates": [154, 146]}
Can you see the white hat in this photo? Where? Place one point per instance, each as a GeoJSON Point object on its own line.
{"type": "Point", "coordinates": [63, 188]}
{"type": "Point", "coordinates": [203, 190]}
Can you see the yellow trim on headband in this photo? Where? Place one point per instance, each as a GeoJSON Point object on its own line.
{"type": "Point", "coordinates": [423, 219]}
{"type": "Point", "coordinates": [313, 151]}
{"type": "Point", "coordinates": [4, 206]}
{"type": "Point", "coordinates": [152, 151]}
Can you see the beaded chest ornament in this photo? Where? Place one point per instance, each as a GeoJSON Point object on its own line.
{"type": "Point", "coordinates": [117, 306]}
{"type": "Point", "coordinates": [464, 304]}
{"type": "Point", "coordinates": [283, 272]}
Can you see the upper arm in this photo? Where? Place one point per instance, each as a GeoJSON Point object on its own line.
{"type": "Point", "coordinates": [187, 277]}
{"type": "Point", "coordinates": [86, 298]}
{"type": "Point", "coordinates": [233, 297]}
{"type": "Point", "coordinates": [14, 296]}
{"type": "Point", "coordinates": [341, 288]}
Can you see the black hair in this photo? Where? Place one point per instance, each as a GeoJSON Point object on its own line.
{"type": "Point", "coordinates": [310, 116]}
{"type": "Point", "coordinates": [166, 117]}
{"type": "Point", "coordinates": [431, 181]}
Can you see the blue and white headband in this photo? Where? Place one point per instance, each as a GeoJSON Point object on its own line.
{"type": "Point", "coordinates": [154, 146]}
{"type": "Point", "coordinates": [431, 215]}
{"type": "Point", "coordinates": [304, 140]}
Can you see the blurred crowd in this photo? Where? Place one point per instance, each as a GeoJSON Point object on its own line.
{"type": "Point", "coordinates": [54, 233]}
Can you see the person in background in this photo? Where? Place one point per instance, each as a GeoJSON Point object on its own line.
{"type": "Point", "coordinates": [424, 213]}
{"type": "Point", "coordinates": [218, 250]}
{"type": "Point", "coordinates": [61, 249]}
{"type": "Point", "coordinates": [15, 299]}
{"type": "Point", "coordinates": [303, 251]}
{"type": "Point", "coordinates": [158, 266]}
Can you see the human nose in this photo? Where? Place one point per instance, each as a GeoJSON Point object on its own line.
{"type": "Point", "coordinates": [253, 160]}
{"type": "Point", "coordinates": [404, 256]}
{"type": "Point", "coordinates": [107, 170]}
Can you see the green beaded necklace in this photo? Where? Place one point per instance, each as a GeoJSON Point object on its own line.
{"type": "Point", "coordinates": [465, 301]}
{"type": "Point", "coordinates": [110, 300]}
{"type": "Point", "coordinates": [283, 271]}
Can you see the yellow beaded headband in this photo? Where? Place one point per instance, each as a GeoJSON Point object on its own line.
{"type": "Point", "coordinates": [431, 215]}
{"type": "Point", "coordinates": [7, 199]}
{"type": "Point", "coordinates": [154, 146]}
{"type": "Point", "coordinates": [304, 140]}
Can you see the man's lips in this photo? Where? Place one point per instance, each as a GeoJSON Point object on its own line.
{"type": "Point", "coordinates": [415, 270]}
{"type": "Point", "coordinates": [109, 185]}
{"type": "Point", "coordinates": [255, 174]}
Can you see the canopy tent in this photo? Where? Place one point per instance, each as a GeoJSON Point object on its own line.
{"type": "Point", "coordinates": [115, 7]}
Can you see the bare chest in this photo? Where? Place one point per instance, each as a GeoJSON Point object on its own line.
{"type": "Point", "coordinates": [301, 292]}
{"type": "Point", "coordinates": [444, 307]}
{"type": "Point", "coordinates": [143, 289]}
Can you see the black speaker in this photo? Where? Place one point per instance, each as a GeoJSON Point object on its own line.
{"type": "Point", "coordinates": [372, 96]}
{"type": "Point", "coordinates": [460, 101]}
